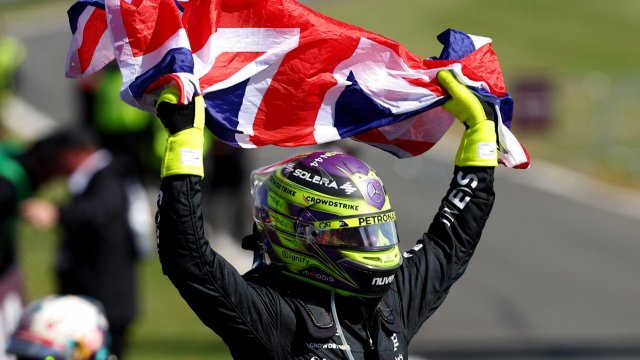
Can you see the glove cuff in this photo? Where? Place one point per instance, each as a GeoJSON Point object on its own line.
{"type": "Point", "coordinates": [478, 146]}
{"type": "Point", "coordinates": [183, 154]}
{"type": "Point", "coordinates": [184, 151]}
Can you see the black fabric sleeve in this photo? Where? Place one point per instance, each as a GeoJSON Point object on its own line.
{"type": "Point", "coordinates": [245, 316]}
{"type": "Point", "coordinates": [441, 256]}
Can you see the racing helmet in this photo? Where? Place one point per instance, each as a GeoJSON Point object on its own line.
{"type": "Point", "coordinates": [325, 218]}
{"type": "Point", "coordinates": [65, 327]}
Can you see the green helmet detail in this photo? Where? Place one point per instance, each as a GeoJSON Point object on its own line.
{"type": "Point", "coordinates": [325, 219]}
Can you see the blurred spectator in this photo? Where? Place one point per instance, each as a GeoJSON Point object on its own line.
{"type": "Point", "coordinates": [130, 135]}
{"type": "Point", "coordinates": [61, 328]}
{"type": "Point", "coordinates": [125, 131]}
{"type": "Point", "coordinates": [12, 55]}
{"type": "Point", "coordinates": [99, 251]}
{"type": "Point", "coordinates": [22, 170]}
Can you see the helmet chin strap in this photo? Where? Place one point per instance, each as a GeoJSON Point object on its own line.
{"type": "Point", "coordinates": [347, 348]}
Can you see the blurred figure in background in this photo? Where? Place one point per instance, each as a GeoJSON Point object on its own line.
{"type": "Point", "coordinates": [22, 170]}
{"type": "Point", "coordinates": [100, 247]}
{"type": "Point", "coordinates": [61, 328]}
{"type": "Point", "coordinates": [12, 55]}
{"type": "Point", "coordinates": [125, 131]}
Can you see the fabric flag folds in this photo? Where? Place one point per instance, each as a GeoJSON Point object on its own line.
{"type": "Point", "coordinates": [275, 72]}
{"type": "Point", "coordinates": [90, 48]}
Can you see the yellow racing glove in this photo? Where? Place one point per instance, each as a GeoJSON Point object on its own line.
{"type": "Point", "coordinates": [478, 146]}
{"type": "Point", "coordinates": [183, 154]}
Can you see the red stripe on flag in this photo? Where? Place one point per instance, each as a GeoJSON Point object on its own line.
{"type": "Point", "coordinates": [432, 85]}
{"type": "Point", "coordinates": [94, 29]}
{"type": "Point", "coordinates": [524, 165]}
{"type": "Point", "coordinates": [304, 77]}
{"type": "Point", "coordinates": [485, 61]}
{"type": "Point", "coordinates": [149, 24]}
{"type": "Point", "coordinates": [227, 64]}
{"type": "Point", "coordinates": [200, 21]}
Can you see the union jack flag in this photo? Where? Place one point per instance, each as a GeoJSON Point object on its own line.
{"type": "Point", "coordinates": [275, 72]}
{"type": "Point", "coordinates": [90, 48]}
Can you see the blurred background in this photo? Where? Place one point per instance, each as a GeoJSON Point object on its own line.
{"type": "Point", "coordinates": [556, 274]}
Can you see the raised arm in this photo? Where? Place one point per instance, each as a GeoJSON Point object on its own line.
{"type": "Point", "coordinates": [211, 286]}
{"type": "Point", "coordinates": [441, 256]}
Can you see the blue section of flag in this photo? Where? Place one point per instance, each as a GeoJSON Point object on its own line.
{"type": "Point", "coordinates": [457, 45]}
{"type": "Point", "coordinates": [176, 60]}
{"type": "Point", "coordinates": [223, 107]}
{"type": "Point", "coordinates": [356, 111]}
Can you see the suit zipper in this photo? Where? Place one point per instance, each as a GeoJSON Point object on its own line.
{"type": "Point", "coordinates": [371, 347]}
{"type": "Point", "coordinates": [365, 325]}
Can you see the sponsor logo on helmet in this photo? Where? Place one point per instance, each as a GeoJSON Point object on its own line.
{"type": "Point", "coordinates": [375, 193]}
{"type": "Point", "coordinates": [385, 280]}
{"type": "Point", "coordinates": [280, 221]}
{"type": "Point", "coordinates": [275, 201]}
{"type": "Point", "coordinates": [281, 187]}
{"type": "Point", "coordinates": [295, 257]}
{"type": "Point", "coordinates": [287, 169]}
{"type": "Point", "coordinates": [316, 179]}
{"type": "Point", "coordinates": [321, 158]}
{"type": "Point", "coordinates": [348, 188]}
{"type": "Point", "coordinates": [318, 276]}
{"type": "Point", "coordinates": [337, 204]}
{"type": "Point", "coordinates": [377, 219]}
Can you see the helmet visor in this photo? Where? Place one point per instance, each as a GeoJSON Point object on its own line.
{"type": "Point", "coordinates": [379, 233]}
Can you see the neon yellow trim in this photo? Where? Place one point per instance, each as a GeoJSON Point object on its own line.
{"type": "Point", "coordinates": [282, 223]}
{"type": "Point", "coordinates": [387, 259]}
{"type": "Point", "coordinates": [277, 203]}
{"type": "Point", "coordinates": [297, 262]}
{"type": "Point", "coordinates": [478, 146]}
{"type": "Point", "coordinates": [373, 219]}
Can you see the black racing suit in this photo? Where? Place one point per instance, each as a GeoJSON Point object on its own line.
{"type": "Point", "coordinates": [260, 315]}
